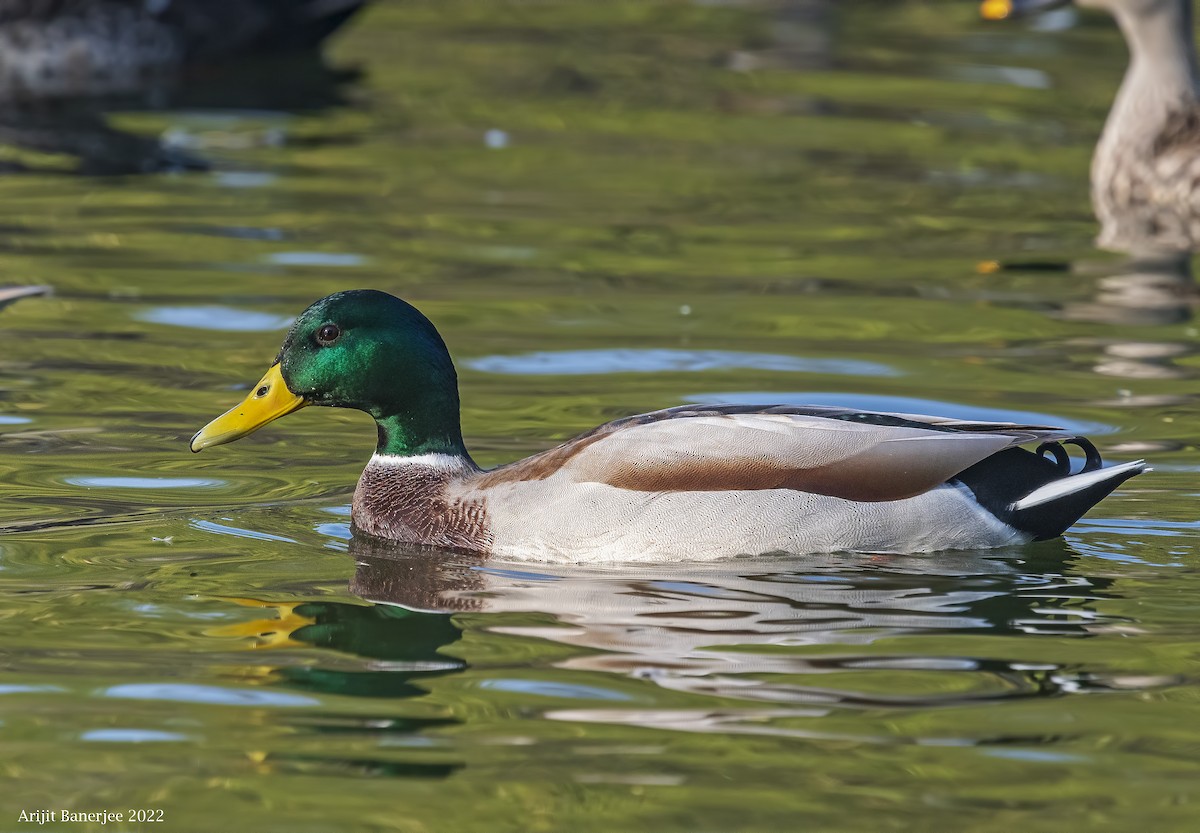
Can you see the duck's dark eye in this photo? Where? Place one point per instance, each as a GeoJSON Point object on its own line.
{"type": "Point", "coordinates": [328, 334]}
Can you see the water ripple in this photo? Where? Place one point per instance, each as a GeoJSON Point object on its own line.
{"type": "Point", "coordinates": [190, 693]}
{"type": "Point", "coordinates": [238, 532]}
{"type": "Point", "coordinates": [630, 360]}
{"type": "Point", "coordinates": [131, 736]}
{"type": "Point", "coordinates": [316, 259]}
{"type": "Point", "coordinates": [547, 688]}
{"type": "Point", "coordinates": [214, 317]}
{"type": "Point", "coordinates": [145, 482]}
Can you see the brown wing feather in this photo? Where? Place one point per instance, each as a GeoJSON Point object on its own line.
{"type": "Point", "coordinates": [858, 455]}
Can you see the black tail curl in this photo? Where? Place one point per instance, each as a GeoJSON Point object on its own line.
{"type": "Point", "coordinates": [1091, 462]}
{"type": "Point", "coordinates": [1007, 476]}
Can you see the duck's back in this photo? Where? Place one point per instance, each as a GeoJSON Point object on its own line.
{"type": "Point", "coordinates": [716, 481]}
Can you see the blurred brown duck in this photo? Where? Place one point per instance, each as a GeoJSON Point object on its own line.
{"type": "Point", "coordinates": [1146, 167]}
{"type": "Point", "coordinates": [72, 48]}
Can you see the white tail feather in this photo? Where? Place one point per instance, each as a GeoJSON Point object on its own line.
{"type": "Point", "coordinates": [1075, 483]}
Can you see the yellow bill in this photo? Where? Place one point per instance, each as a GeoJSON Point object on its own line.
{"type": "Point", "coordinates": [269, 400]}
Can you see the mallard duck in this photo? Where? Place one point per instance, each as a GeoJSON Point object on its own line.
{"type": "Point", "coordinates": [691, 482]}
{"type": "Point", "coordinates": [1146, 166]}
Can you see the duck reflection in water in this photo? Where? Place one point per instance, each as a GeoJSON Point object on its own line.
{"type": "Point", "coordinates": [66, 64]}
{"type": "Point", "coordinates": [1145, 173]}
{"type": "Point", "coordinates": [400, 650]}
{"type": "Point", "coordinates": [401, 646]}
{"type": "Point", "coordinates": [757, 640]}
{"type": "Point", "coordinates": [746, 629]}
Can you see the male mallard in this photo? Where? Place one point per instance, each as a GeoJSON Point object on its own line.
{"type": "Point", "coordinates": [683, 483]}
{"type": "Point", "coordinates": [1146, 166]}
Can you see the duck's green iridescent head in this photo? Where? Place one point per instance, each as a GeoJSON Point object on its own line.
{"type": "Point", "coordinates": [361, 349]}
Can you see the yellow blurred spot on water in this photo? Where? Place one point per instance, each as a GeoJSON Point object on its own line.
{"type": "Point", "coordinates": [995, 9]}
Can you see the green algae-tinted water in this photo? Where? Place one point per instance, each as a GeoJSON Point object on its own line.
{"type": "Point", "coordinates": [606, 208]}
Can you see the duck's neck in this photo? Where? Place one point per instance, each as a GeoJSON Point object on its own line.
{"type": "Point", "coordinates": [429, 427]}
{"type": "Point", "coordinates": [1162, 77]}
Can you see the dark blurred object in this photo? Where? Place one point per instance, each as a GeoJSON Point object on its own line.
{"type": "Point", "coordinates": [66, 64]}
{"type": "Point", "coordinates": [799, 36]}
{"type": "Point", "coordinates": [73, 48]}
{"type": "Point", "coordinates": [1146, 168]}
{"type": "Point", "coordinates": [84, 133]}
{"type": "Point", "coordinates": [9, 294]}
